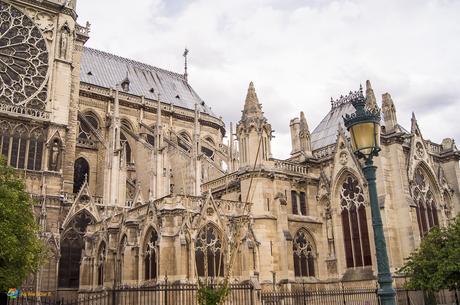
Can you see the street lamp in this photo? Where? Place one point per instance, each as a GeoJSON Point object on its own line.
{"type": "Point", "coordinates": [364, 128]}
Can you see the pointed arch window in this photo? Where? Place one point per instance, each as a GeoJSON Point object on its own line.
{"type": "Point", "coordinates": [295, 209]}
{"type": "Point", "coordinates": [101, 264]}
{"type": "Point", "coordinates": [35, 152]}
{"type": "Point", "coordinates": [19, 147]}
{"type": "Point", "coordinates": [209, 256]}
{"type": "Point", "coordinates": [5, 139]}
{"type": "Point", "coordinates": [80, 174]}
{"type": "Point", "coordinates": [354, 224]}
{"type": "Point", "coordinates": [125, 144]}
{"type": "Point", "coordinates": [425, 203]}
{"type": "Point", "coordinates": [151, 256]}
{"type": "Point", "coordinates": [303, 252]}
{"type": "Point", "coordinates": [121, 259]}
{"type": "Point", "coordinates": [184, 141]}
{"type": "Point", "coordinates": [90, 121]}
{"type": "Point", "coordinates": [71, 248]}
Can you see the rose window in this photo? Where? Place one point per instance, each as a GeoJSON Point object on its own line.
{"type": "Point", "coordinates": [23, 60]}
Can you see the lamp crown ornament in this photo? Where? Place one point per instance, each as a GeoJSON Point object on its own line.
{"type": "Point", "coordinates": [363, 125]}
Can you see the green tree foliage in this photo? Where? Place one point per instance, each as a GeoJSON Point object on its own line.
{"type": "Point", "coordinates": [20, 248]}
{"type": "Point", "coordinates": [436, 264]}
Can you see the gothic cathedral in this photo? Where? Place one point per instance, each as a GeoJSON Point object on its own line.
{"type": "Point", "coordinates": [132, 181]}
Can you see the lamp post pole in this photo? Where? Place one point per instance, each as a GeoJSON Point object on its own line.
{"type": "Point", "coordinates": [386, 292]}
{"type": "Point", "coordinates": [364, 128]}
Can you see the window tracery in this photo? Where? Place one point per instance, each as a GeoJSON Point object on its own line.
{"type": "Point", "coordinates": [23, 60]}
{"type": "Point", "coordinates": [71, 247]}
{"type": "Point", "coordinates": [209, 255]}
{"type": "Point", "coordinates": [303, 252]}
{"type": "Point", "coordinates": [84, 131]}
{"type": "Point", "coordinates": [151, 256]}
{"type": "Point", "coordinates": [425, 203]}
{"type": "Point", "coordinates": [125, 145]}
{"type": "Point", "coordinates": [80, 174]}
{"type": "Point", "coordinates": [20, 147]}
{"type": "Point", "coordinates": [354, 224]}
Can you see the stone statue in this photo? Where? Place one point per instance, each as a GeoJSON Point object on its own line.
{"type": "Point", "coordinates": [64, 42]}
{"type": "Point", "coordinates": [54, 156]}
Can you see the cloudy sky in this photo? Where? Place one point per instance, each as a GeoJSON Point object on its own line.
{"type": "Point", "coordinates": [298, 53]}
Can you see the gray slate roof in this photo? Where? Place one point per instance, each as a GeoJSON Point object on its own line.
{"type": "Point", "coordinates": [326, 132]}
{"type": "Point", "coordinates": [107, 70]}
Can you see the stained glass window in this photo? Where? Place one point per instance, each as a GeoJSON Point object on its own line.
{"type": "Point", "coordinates": [23, 60]}
{"type": "Point", "coordinates": [209, 256]}
{"type": "Point", "coordinates": [354, 224]}
{"type": "Point", "coordinates": [80, 174]}
{"type": "Point", "coordinates": [425, 204]}
{"type": "Point", "coordinates": [151, 256]}
{"type": "Point", "coordinates": [304, 262]}
{"type": "Point", "coordinates": [71, 248]}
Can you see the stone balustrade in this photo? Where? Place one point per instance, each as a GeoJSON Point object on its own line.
{"type": "Point", "coordinates": [290, 167]}
{"type": "Point", "coordinates": [24, 112]}
{"type": "Point", "coordinates": [219, 182]}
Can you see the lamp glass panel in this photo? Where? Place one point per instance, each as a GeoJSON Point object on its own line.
{"type": "Point", "coordinates": [364, 136]}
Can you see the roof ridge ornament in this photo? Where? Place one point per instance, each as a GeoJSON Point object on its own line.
{"type": "Point", "coordinates": [347, 98]}
{"type": "Point", "coordinates": [185, 64]}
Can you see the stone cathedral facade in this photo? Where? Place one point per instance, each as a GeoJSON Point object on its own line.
{"type": "Point", "coordinates": [133, 181]}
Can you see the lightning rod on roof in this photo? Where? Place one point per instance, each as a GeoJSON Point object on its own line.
{"type": "Point", "coordinates": [185, 65]}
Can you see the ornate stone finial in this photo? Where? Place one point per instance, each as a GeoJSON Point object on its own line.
{"type": "Point", "coordinates": [303, 123]}
{"type": "Point", "coordinates": [185, 64]}
{"type": "Point", "coordinates": [371, 102]}
{"type": "Point", "coordinates": [251, 105]}
{"type": "Point", "coordinates": [389, 112]}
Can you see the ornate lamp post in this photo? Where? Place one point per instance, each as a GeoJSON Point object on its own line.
{"type": "Point", "coordinates": [364, 128]}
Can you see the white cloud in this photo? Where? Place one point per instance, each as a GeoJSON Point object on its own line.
{"type": "Point", "coordinates": [298, 53]}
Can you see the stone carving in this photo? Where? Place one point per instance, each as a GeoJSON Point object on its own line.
{"type": "Point", "coordinates": [419, 150]}
{"type": "Point", "coordinates": [23, 60]}
{"type": "Point", "coordinates": [343, 158]}
{"type": "Point", "coordinates": [44, 21]}
{"type": "Point", "coordinates": [54, 156]}
{"type": "Point", "coordinates": [64, 41]}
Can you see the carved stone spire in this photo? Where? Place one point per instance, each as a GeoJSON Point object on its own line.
{"type": "Point", "coordinates": [303, 124]}
{"type": "Point", "coordinates": [252, 108]}
{"type": "Point", "coordinates": [254, 132]}
{"type": "Point", "coordinates": [371, 102]}
{"type": "Point", "coordinates": [304, 135]}
{"type": "Point", "coordinates": [389, 113]}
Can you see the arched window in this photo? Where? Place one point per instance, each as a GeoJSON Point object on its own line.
{"type": "Point", "coordinates": [19, 146]}
{"type": "Point", "coordinates": [210, 141]}
{"type": "Point", "coordinates": [100, 264]}
{"type": "Point", "coordinates": [151, 255]}
{"type": "Point", "coordinates": [71, 248]}
{"type": "Point", "coordinates": [125, 123]}
{"type": "Point", "coordinates": [80, 174]}
{"type": "Point", "coordinates": [121, 259]}
{"type": "Point", "coordinates": [184, 141]}
{"type": "Point", "coordinates": [303, 252]}
{"type": "Point", "coordinates": [354, 224]}
{"type": "Point", "coordinates": [425, 204]}
{"type": "Point", "coordinates": [295, 208]}
{"type": "Point", "coordinates": [90, 120]}
{"type": "Point", "coordinates": [5, 139]}
{"type": "Point", "coordinates": [208, 152]}
{"type": "Point", "coordinates": [34, 161]}
{"type": "Point", "coordinates": [151, 140]}
{"type": "Point", "coordinates": [125, 144]}
{"type": "Point", "coordinates": [209, 254]}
